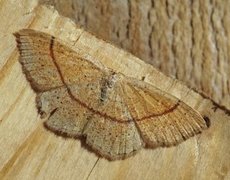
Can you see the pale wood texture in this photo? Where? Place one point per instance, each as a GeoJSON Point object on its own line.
{"type": "Point", "coordinates": [189, 40]}
{"type": "Point", "coordinates": [29, 151]}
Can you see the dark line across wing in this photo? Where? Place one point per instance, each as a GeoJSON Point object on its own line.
{"type": "Point", "coordinates": [91, 109]}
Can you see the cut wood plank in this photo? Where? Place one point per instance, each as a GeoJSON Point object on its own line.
{"type": "Point", "coordinates": [29, 151]}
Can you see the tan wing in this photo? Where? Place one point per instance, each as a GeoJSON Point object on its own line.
{"type": "Point", "coordinates": [115, 113]}
{"type": "Point", "coordinates": [36, 60]}
{"type": "Point", "coordinates": [65, 115]}
{"type": "Point", "coordinates": [112, 139]}
{"type": "Point", "coordinates": [162, 119]}
{"type": "Point", "coordinates": [49, 64]}
{"type": "Point", "coordinates": [69, 92]}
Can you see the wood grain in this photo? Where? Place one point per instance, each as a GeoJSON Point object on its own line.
{"type": "Point", "coordinates": [188, 40]}
{"type": "Point", "coordinates": [29, 151]}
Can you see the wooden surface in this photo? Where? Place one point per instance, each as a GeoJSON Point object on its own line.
{"type": "Point", "coordinates": [188, 40]}
{"type": "Point", "coordinates": [29, 151]}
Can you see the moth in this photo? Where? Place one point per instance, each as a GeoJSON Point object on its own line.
{"type": "Point", "coordinates": [117, 115]}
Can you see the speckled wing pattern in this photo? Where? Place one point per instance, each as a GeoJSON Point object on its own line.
{"type": "Point", "coordinates": [117, 115]}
